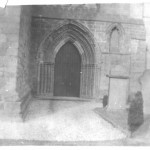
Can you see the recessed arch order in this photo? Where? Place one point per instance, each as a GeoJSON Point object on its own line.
{"type": "Point", "coordinates": [83, 40]}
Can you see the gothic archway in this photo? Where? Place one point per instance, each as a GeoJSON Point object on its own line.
{"type": "Point", "coordinates": [82, 39]}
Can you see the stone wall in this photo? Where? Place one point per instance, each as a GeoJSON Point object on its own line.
{"type": "Point", "coordinates": [91, 12]}
{"type": "Point", "coordinates": [23, 81]}
{"type": "Point", "coordinates": [99, 20]}
{"type": "Point", "coordinates": [9, 37]}
{"type": "Point", "coordinates": [21, 36]}
{"type": "Point", "coordinates": [146, 18]}
{"type": "Point", "coordinates": [14, 58]}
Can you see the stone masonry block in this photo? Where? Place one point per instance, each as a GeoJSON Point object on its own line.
{"type": "Point", "coordinates": [9, 19]}
{"type": "Point", "coordinates": [98, 29]}
{"type": "Point", "coordinates": [12, 107]}
{"type": "Point", "coordinates": [2, 82]}
{"type": "Point", "coordinates": [13, 40]}
{"type": "Point", "coordinates": [10, 28]}
{"type": "Point", "coordinates": [13, 11]}
{"type": "Point", "coordinates": [9, 93]}
{"type": "Point", "coordinates": [2, 12]}
{"type": "Point", "coordinates": [12, 50]}
{"type": "Point", "coordinates": [1, 106]}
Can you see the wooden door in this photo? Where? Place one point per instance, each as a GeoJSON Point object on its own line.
{"type": "Point", "coordinates": [67, 71]}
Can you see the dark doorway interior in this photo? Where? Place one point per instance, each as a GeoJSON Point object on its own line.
{"type": "Point", "coordinates": [67, 71]}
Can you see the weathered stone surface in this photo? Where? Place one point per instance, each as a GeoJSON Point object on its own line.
{"type": "Point", "coordinates": [22, 82]}
{"type": "Point", "coordinates": [3, 44]}
{"type": "Point", "coordinates": [14, 54]}
{"type": "Point", "coordinates": [1, 106]}
{"type": "Point", "coordinates": [9, 25]}
{"type": "Point", "coordinates": [12, 107]}
{"type": "Point", "coordinates": [118, 93]}
{"type": "Point", "coordinates": [10, 95]}
{"type": "Point", "coordinates": [90, 12]}
{"type": "Point", "coordinates": [12, 11]}
{"type": "Point", "coordinates": [132, 40]}
{"type": "Point", "coordinates": [145, 84]}
{"type": "Point", "coordinates": [21, 37]}
{"type": "Point", "coordinates": [2, 81]}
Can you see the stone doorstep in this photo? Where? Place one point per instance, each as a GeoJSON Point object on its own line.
{"type": "Point", "coordinates": [62, 98]}
{"type": "Point", "coordinates": [113, 122]}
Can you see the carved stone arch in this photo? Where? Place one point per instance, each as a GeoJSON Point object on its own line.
{"type": "Point", "coordinates": [73, 29]}
{"type": "Point", "coordinates": [120, 30]}
{"type": "Point", "coordinates": [83, 40]}
{"type": "Point", "coordinates": [115, 25]}
{"type": "Point", "coordinates": [64, 41]}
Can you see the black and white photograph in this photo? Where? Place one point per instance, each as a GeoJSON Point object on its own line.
{"type": "Point", "coordinates": [74, 73]}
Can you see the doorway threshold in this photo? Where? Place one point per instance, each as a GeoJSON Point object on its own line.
{"type": "Point", "coordinates": [62, 98]}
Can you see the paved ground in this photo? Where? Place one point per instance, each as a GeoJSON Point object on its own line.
{"type": "Point", "coordinates": [123, 142]}
{"type": "Point", "coordinates": [61, 121]}
{"type": "Point", "coordinates": [118, 118]}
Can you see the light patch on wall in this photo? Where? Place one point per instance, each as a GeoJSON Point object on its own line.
{"type": "Point", "coordinates": [134, 46]}
{"type": "Point", "coordinates": [136, 11]}
{"type": "Point", "coordinates": [146, 10]}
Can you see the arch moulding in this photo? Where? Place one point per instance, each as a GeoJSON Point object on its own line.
{"type": "Point", "coordinates": [121, 32]}
{"type": "Point", "coordinates": [83, 40]}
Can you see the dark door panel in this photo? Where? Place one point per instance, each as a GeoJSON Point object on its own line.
{"type": "Point", "coordinates": [67, 71]}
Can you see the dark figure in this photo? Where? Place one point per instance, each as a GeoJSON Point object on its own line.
{"type": "Point", "coordinates": [105, 101]}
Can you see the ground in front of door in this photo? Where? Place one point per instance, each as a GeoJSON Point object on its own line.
{"type": "Point", "coordinates": [61, 121]}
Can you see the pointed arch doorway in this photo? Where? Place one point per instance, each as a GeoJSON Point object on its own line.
{"type": "Point", "coordinates": [51, 82]}
{"type": "Point", "coordinates": [67, 71]}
